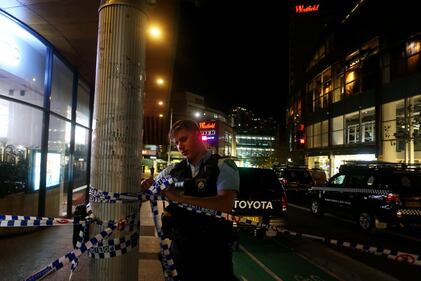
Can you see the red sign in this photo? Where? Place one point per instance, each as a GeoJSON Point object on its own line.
{"type": "Point", "coordinates": [207, 125]}
{"type": "Point", "coordinates": [308, 9]}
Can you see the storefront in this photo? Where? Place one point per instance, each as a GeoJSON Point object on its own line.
{"type": "Point", "coordinates": [45, 126]}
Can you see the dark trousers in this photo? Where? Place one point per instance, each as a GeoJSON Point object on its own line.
{"type": "Point", "coordinates": [203, 260]}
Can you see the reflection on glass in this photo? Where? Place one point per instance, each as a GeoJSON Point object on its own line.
{"type": "Point", "coordinates": [80, 172]}
{"type": "Point", "coordinates": [57, 163]}
{"type": "Point", "coordinates": [61, 91]}
{"type": "Point", "coordinates": [22, 63]}
{"type": "Point", "coordinates": [20, 138]}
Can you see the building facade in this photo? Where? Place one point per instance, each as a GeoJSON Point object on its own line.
{"type": "Point", "coordinates": [256, 138]}
{"type": "Point", "coordinates": [360, 98]}
{"type": "Point", "coordinates": [45, 126]}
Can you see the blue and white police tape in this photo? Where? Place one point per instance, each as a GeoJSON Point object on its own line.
{"type": "Point", "coordinates": [170, 272]}
{"type": "Point", "coordinates": [161, 184]}
{"type": "Point", "coordinates": [114, 247]}
{"type": "Point", "coordinates": [409, 258]}
{"type": "Point", "coordinates": [69, 257]}
{"type": "Point", "coordinates": [25, 221]}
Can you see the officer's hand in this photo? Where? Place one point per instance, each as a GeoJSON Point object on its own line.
{"type": "Point", "coordinates": [146, 183]}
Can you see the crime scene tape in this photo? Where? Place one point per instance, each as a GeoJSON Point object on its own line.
{"type": "Point", "coordinates": [121, 245]}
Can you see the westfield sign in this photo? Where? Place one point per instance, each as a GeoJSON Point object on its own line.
{"type": "Point", "coordinates": [308, 9]}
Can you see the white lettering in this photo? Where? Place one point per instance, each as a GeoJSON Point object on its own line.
{"type": "Point", "coordinates": [253, 204]}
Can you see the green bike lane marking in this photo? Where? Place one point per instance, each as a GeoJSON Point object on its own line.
{"type": "Point", "coordinates": [268, 259]}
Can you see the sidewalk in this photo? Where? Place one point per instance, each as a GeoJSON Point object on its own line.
{"type": "Point", "coordinates": [23, 255]}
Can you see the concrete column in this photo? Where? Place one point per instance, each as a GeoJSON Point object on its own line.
{"type": "Point", "coordinates": [118, 118]}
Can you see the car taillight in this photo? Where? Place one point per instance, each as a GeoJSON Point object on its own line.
{"type": "Point", "coordinates": [392, 197]}
{"type": "Point", "coordinates": [284, 203]}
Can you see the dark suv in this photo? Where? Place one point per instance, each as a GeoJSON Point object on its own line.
{"type": "Point", "coordinates": [297, 180]}
{"type": "Point", "coordinates": [261, 198]}
{"type": "Point", "coordinates": [374, 194]}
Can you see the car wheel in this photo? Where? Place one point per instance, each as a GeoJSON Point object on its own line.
{"type": "Point", "coordinates": [316, 207]}
{"type": "Point", "coordinates": [366, 220]}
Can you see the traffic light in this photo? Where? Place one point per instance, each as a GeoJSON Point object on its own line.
{"type": "Point", "coordinates": [300, 140]}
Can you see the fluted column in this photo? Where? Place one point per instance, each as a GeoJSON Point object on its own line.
{"type": "Point", "coordinates": [118, 119]}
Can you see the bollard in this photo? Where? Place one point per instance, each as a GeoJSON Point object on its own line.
{"type": "Point", "coordinates": [80, 214]}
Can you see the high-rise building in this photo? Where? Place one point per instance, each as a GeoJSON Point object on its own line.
{"type": "Point", "coordinates": [359, 95]}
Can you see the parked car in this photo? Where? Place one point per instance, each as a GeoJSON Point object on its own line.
{"type": "Point", "coordinates": [373, 194]}
{"type": "Point", "coordinates": [297, 180]}
{"type": "Point", "coordinates": [261, 199]}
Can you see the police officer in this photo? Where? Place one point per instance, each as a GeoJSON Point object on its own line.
{"type": "Point", "coordinates": [201, 245]}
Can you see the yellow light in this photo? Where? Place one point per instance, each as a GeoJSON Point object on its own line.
{"type": "Point", "coordinates": [160, 103]}
{"type": "Point", "coordinates": [160, 81]}
{"type": "Point", "coordinates": [161, 115]}
{"type": "Point", "coordinates": [155, 32]}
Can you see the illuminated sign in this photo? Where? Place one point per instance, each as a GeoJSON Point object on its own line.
{"type": "Point", "coordinates": [53, 169]}
{"type": "Point", "coordinates": [308, 9]}
{"type": "Point", "coordinates": [207, 125]}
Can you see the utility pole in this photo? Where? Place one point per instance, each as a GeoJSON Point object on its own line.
{"type": "Point", "coordinates": [117, 132]}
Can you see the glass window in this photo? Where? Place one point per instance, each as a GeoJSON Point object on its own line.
{"type": "Point", "coordinates": [309, 135]}
{"type": "Point", "coordinates": [317, 134]}
{"type": "Point", "coordinates": [82, 110]}
{"type": "Point", "coordinates": [20, 140]}
{"type": "Point", "coordinates": [338, 83]}
{"type": "Point", "coordinates": [22, 63]}
{"type": "Point", "coordinates": [352, 125]}
{"type": "Point", "coordinates": [80, 172]}
{"type": "Point", "coordinates": [413, 49]}
{"type": "Point", "coordinates": [337, 130]}
{"type": "Point", "coordinates": [368, 125]}
{"type": "Point", "coordinates": [337, 180]}
{"type": "Point", "coordinates": [325, 133]}
{"type": "Point", "coordinates": [61, 91]}
{"type": "Point", "coordinates": [57, 167]}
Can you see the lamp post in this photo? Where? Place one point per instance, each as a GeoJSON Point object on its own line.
{"type": "Point", "coordinates": [169, 141]}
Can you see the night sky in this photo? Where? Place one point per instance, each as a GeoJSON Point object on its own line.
{"type": "Point", "coordinates": [234, 53]}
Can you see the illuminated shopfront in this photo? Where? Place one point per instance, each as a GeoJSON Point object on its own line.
{"type": "Point", "coordinates": [45, 113]}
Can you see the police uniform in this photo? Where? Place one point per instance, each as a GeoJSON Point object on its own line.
{"type": "Point", "coordinates": [201, 245]}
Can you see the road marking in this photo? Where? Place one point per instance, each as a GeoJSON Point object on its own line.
{"type": "Point", "coordinates": [243, 278]}
{"type": "Point", "coordinates": [259, 263]}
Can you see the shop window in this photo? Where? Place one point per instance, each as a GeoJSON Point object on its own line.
{"type": "Point", "coordinates": [20, 140]}
{"type": "Point", "coordinates": [80, 162]}
{"type": "Point", "coordinates": [57, 167]}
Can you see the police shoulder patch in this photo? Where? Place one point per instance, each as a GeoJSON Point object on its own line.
{"type": "Point", "coordinates": [230, 163]}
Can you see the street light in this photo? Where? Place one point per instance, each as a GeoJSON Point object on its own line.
{"type": "Point", "coordinates": [155, 32]}
{"type": "Point", "coordinates": [160, 81]}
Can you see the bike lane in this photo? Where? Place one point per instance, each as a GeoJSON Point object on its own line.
{"type": "Point", "coordinates": [269, 259]}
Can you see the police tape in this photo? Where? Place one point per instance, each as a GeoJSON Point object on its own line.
{"type": "Point", "coordinates": [400, 256]}
{"type": "Point", "coordinates": [170, 272]}
{"type": "Point", "coordinates": [71, 256]}
{"type": "Point", "coordinates": [26, 221]}
{"type": "Point", "coordinates": [114, 247]}
{"type": "Point", "coordinates": [127, 224]}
